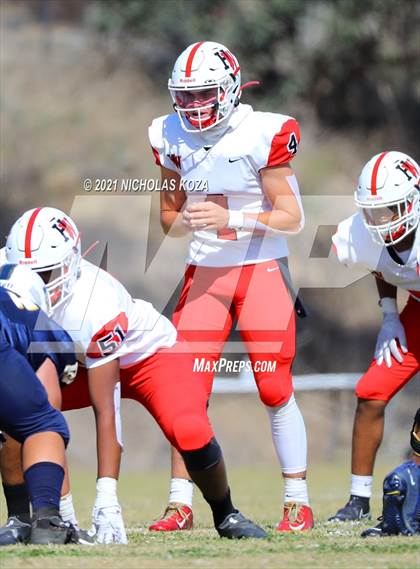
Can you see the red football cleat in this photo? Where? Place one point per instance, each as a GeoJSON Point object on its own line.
{"type": "Point", "coordinates": [296, 517]}
{"type": "Point", "coordinates": [177, 517]}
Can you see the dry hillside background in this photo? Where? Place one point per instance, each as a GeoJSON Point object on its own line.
{"type": "Point", "coordinates": [70, 111]}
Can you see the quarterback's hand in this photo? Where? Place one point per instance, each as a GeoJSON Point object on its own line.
{"type": "Point", "coordinates": [107, 520]}
{"type": "Point", "coordinates": [108, 525]}
{"type": "Point", "coordinates": [386, 344]}
{"type": "Point", "coordinates": [206, 215]}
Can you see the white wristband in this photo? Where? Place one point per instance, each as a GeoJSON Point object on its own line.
{"type": "Point", "coordinates": [106, 492]}
{"type": "Point", "coordinates": [236, 219]}
{"type": "Point", "coordinates": [388, 305]}
{"type": "Point", "coordinates": [106, 485]}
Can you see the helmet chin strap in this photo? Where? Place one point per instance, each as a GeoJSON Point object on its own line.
{"type": "Point", "coordinates": [214, 134]}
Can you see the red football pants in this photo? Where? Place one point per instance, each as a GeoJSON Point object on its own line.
{"type": "Point", "coordinates": [165, 384]}
{"type": "Point", "coordinates": [257, 297]}
{"type": "Point", "coordinates": [381, 382]}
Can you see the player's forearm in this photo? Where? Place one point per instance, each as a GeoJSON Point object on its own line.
{"type": "Point", "coordinates": [277, 220]}
{"type": "Point", "coordinates": [385, 290]}
{"type": "Point", "coordinates": [108, 448]}
{"type": "Point", "coordinates": [171, 204]}
{"type": "Point", "coordinates": [282, 191]}
{"type": "Point", "coordinates": [172, 224]}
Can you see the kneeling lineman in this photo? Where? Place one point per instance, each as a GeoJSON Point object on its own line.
{"type": "Point", "coordinates": [121, 339]}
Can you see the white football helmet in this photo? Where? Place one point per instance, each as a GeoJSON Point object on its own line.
{"type": "Point", "coordinates": [46, 240]}
{"type": "Point", "coordinates": [25, 283]}
{"type": "Point", "coordinates": [205, 85]}
{"type": "Point", "coordinates": [388, 195]}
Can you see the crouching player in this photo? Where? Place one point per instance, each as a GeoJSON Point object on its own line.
{"type": "Point", "coordinates": [383, 238]}
{"type": "Point", "coordinates": [124, 342]}
{"type": "Point", "coordinates": [25, 412]}
{"type": "Point", "coordinates": [401, 500]}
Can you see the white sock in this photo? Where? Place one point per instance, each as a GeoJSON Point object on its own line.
{"type": "Point", "coordinates": [67, 509]}
{"type": "Point", "coordinates": [361, 485]}
{"type": "Point", "coordinates": [289, 436]}
{"type": "Point", "coordinates": [181, 491]}
{"type": "Point", "coordinates": [296, 490]}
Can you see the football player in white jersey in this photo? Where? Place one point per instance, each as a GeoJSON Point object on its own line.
{"type": "Point", "coordinates": [237, 197]}
{"type": "Point", "coordinates": [123, 341]}
{"type": "Point", "coordinates": [384, 238]}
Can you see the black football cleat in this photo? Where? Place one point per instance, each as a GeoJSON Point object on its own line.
{"type": "Point", "coordinates": [79, 536]}
{"type": "Point", "coordinates": [376, 531]}
{"type": "Point", "coordinates": [49, 529]}
{"type": "Point", "coordinates": [355, 510]}
{"type": "Point", "coordinates": [236, 526]}
{"type": "Point", "coordinates": [15, 531]}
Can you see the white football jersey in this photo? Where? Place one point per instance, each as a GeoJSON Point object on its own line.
{"type": "Point", "coordinates": [228, 173]}
{"type": "Point", "coordinates": [106, 323]}
{"type": "Point", "coordinates": [355, 247]}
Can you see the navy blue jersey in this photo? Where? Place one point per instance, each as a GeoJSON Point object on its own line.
{"type": "Point", "coordinates": [24, 325]}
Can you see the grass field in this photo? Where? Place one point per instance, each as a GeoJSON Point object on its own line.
{"type": "Point", "coordinates": [257, 493]}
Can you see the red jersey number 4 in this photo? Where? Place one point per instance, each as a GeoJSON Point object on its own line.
{"type": "Point", "coordinates": [293, 143]}
{"type": "Point", "coordinates": [109, 338]}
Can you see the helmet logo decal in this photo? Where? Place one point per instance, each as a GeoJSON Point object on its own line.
{"type": "Point", "coordinates": [63, 226]}
{"type": "Point", "coordinates": [28, 234]}
{"type": "Point", "coordinates": [407, 168]}
{"type": "Point", "coordinates": [228, 60]}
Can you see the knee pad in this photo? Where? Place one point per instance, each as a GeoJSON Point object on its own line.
{"type": "Point", "coordinates": [54, 423]}
{"type": "Point", "coordinates": [49, 420]}
{"type": "Point", "coordinates": [204, 458]}
{"type": "Point", "coordinates": [191, 431]}
{"type": "Point", "coordinates": [276, 387]}
{"type": "Point", "coordinates": [414, 437]}
{"type": "Point", "coordinates": [274, 394]}
{"type": "Point", "coordinates": [401, 507]}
